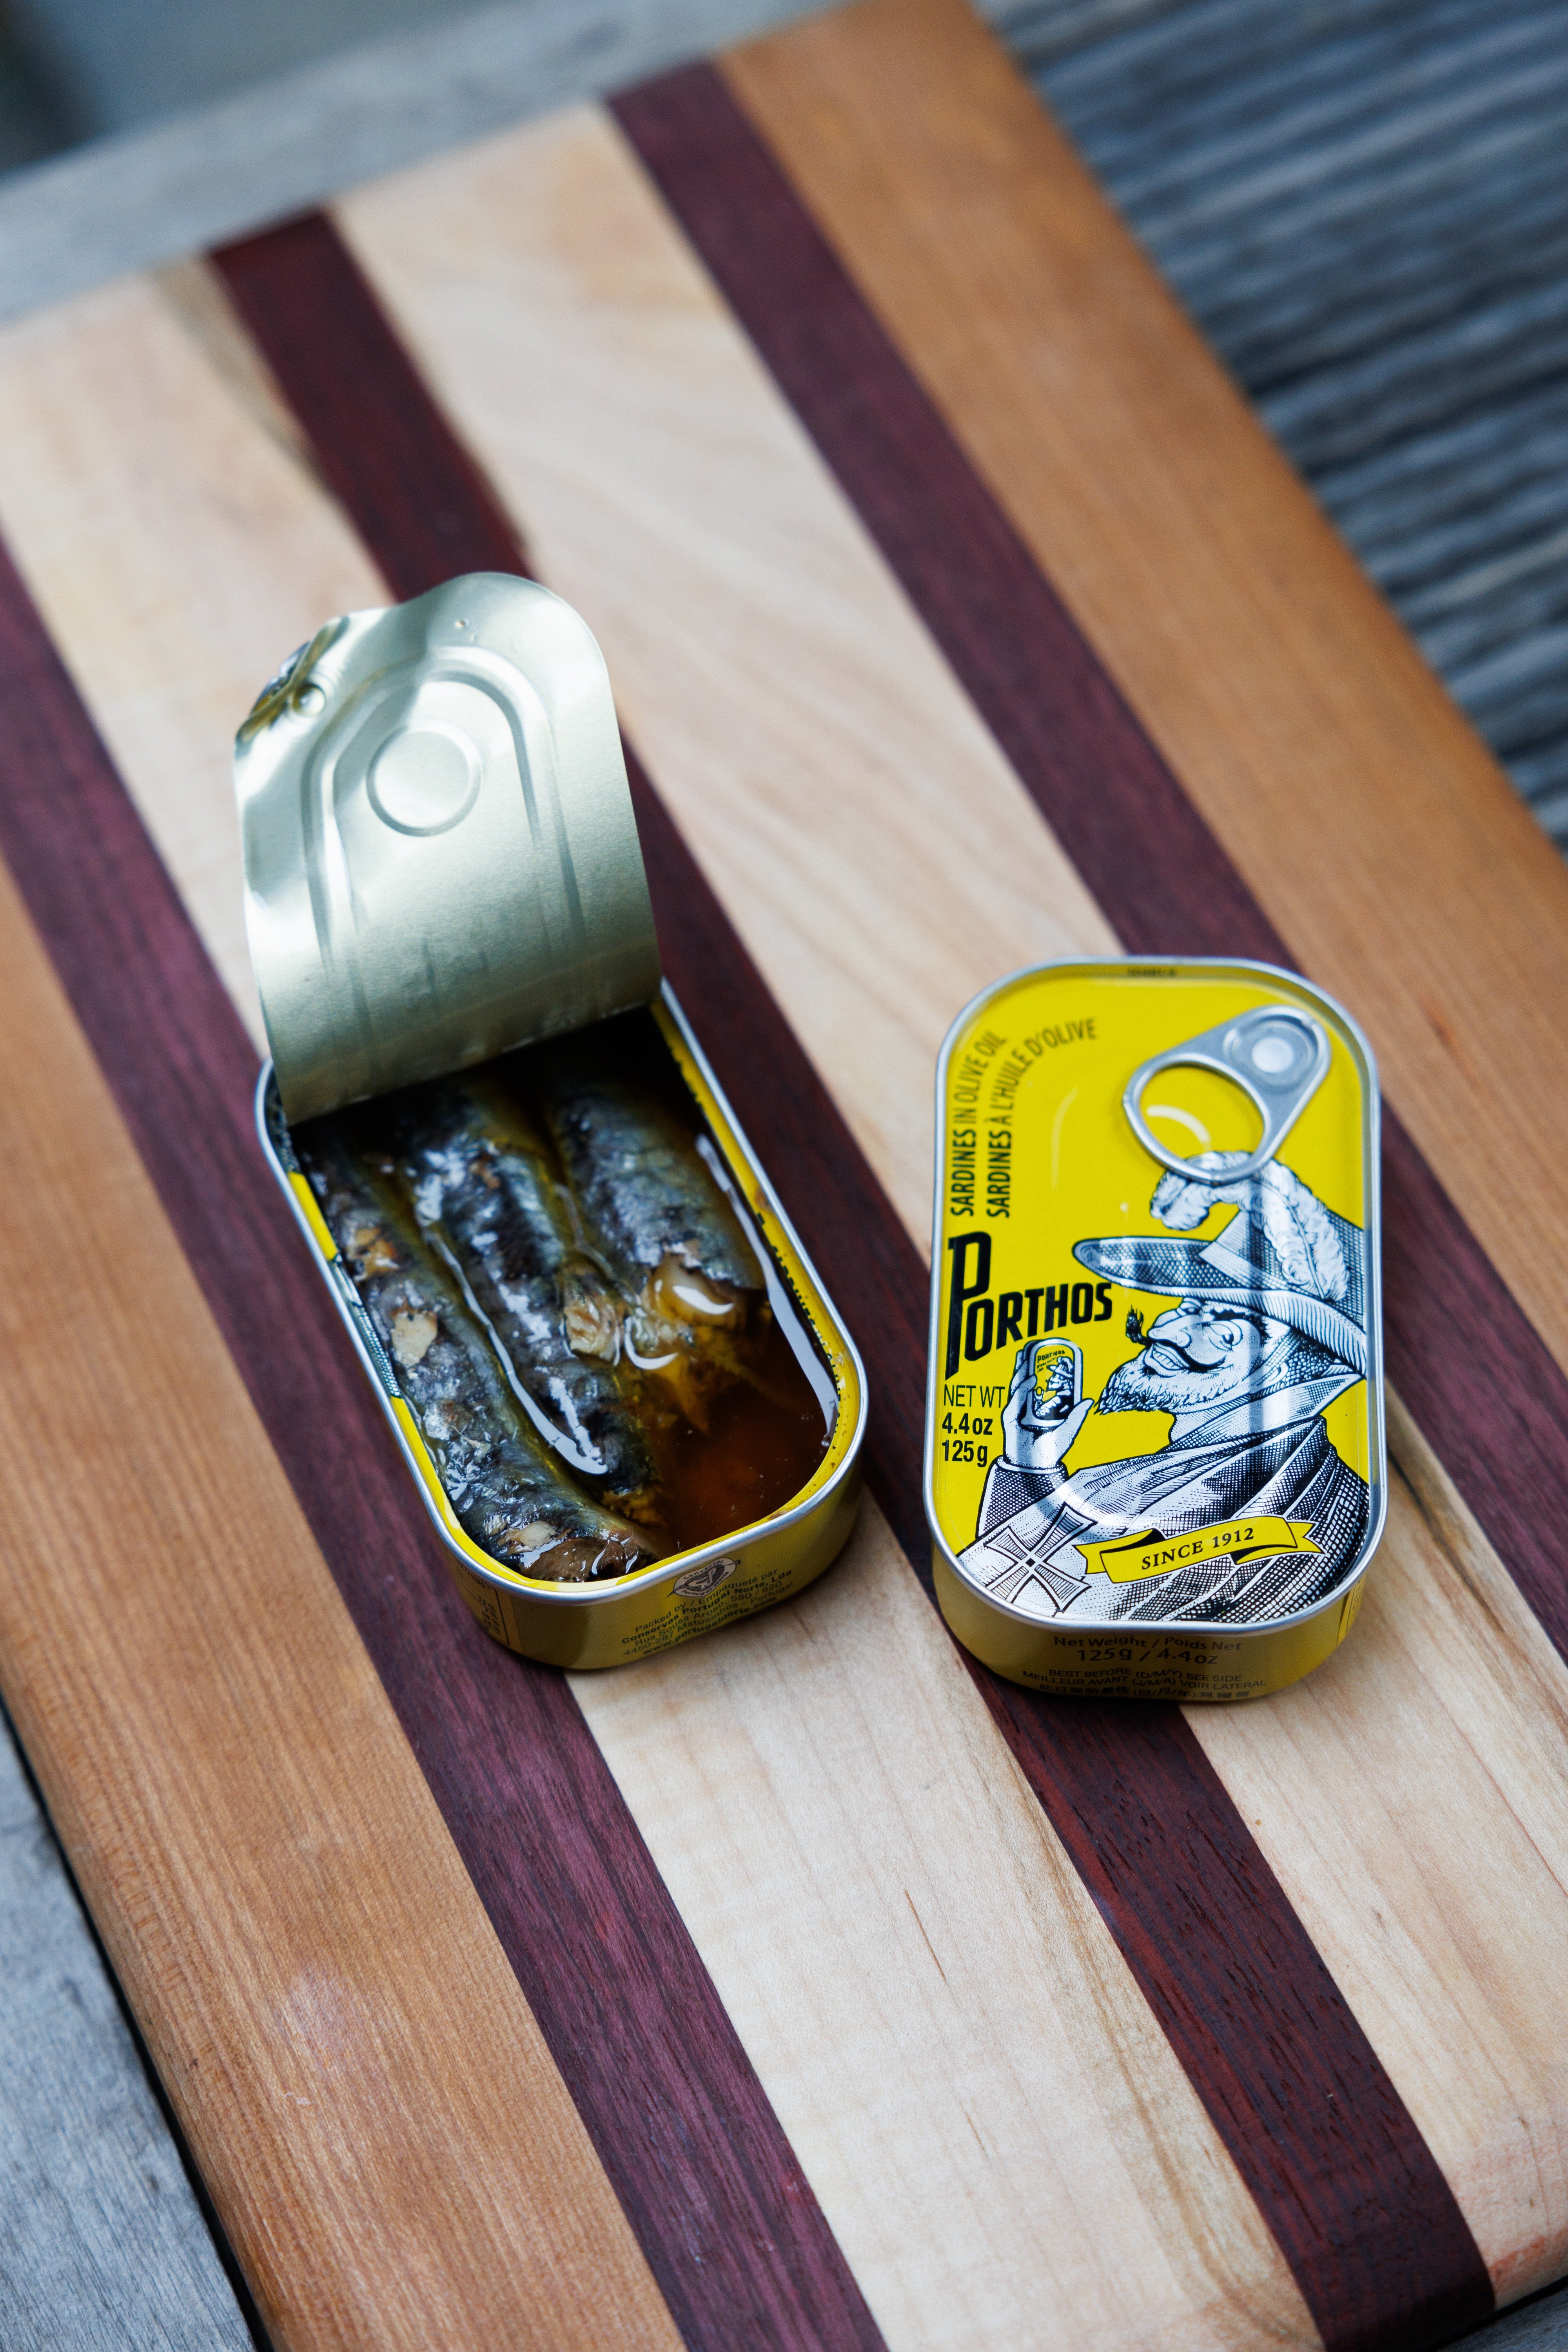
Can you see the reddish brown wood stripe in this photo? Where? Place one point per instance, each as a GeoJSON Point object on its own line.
{"type": "Point", "coordinates": [1356, 2201]}
{"type": "Point", "coordinates": [1322, 2137]}
{"type": "Point", "coordinates": [710, 2185]}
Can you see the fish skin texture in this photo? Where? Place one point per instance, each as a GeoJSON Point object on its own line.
{"type": "Point", "coordinates": [507, 1494]}
{"type": "Point", "coordinates": [651, 1210]}
{"type": "Point", "coordinates": [481, 1177]}
{"type": "Point", "coordinates": [644, 1195]}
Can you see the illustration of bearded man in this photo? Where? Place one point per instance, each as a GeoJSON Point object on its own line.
{"type": "Point", "coordinates": [1269, 1327]}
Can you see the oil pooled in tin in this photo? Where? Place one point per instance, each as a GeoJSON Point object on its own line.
{"type": "Point", "coordinates": [561, 1201]}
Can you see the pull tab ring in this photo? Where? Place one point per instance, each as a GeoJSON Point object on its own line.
{"type": "Point", "coordinates": [1276, 1053]}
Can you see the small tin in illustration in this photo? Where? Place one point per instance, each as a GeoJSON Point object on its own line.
{"type": "Point", "coordinates": [625, 1399]}
{"type": "Point", "coordinates": [1154, 1455]}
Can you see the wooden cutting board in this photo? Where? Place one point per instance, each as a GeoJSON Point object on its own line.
{"type": "Point", "coordinates": [806, 1986]}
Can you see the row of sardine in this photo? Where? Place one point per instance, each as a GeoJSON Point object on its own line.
{"type": "Point", "coordinates": [557, 1280]}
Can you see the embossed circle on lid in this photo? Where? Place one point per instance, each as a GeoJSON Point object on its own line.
{"type": "Point", "coordinates": [424, 778]}
{"type": "Point", "coordinates": [1279, 1049]}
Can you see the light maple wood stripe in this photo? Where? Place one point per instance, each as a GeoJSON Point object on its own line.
{"type": "Point", "coordinates": [173, 673]}
{"type": "Point", "coordinates": [935, 2149]}
{"type": "Point", "coordinates": [570, 332]}
{"type": "Point", "coordinates": [856, 817]}
{"type": "Point", "coordinates": [384, 2135]}
{"type": "Point", "coordinates": [967, 2071]}
{"type": "Point", "coordinates": [1364, 813]}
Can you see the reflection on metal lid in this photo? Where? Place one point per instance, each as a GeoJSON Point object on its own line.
{"type": "Point", "coordinates": [440, 857]}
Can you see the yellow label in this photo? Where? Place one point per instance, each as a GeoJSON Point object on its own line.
{"type": "Point", "coordinates": [1121, 1343]}
{"type": "Point", "coordinates": [1129, 1558]}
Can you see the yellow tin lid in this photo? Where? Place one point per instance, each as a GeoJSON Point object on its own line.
{"type": "Point", "coordinates": [1155, 1399]}
{"type": "Point", "coordinates": [441, 860]}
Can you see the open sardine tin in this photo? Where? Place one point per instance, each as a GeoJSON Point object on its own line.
{"type": "Point", "coordinates": [442, 868]}
{"type": "Point", "coordinates": [1154, 1449]}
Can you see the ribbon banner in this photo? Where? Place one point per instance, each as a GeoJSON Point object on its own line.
{"type": "Point", "coordinates": [1128, 1558]}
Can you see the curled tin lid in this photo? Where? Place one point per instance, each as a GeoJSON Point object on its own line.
{"type": "Point", "coordinates": [440, 857]}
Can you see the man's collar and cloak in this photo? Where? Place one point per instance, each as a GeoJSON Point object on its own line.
{"type": "Point", "coordinates": [1284, 1256]}
{"type": "Point", "coordinates": [1027, 1551]}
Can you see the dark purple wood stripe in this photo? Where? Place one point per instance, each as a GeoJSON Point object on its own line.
{"type": "Point", "coordinates": [719, 2202]}
{"type": "Point", "coordinates": [1461, 1351]}
{"type": "Point", "coordinates": [410, 490]}
{"type": "Point", "coordinates": [1343, 2178]}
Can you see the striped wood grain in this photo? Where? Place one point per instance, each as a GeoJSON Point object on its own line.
{"type": "Point", "coordinates": [303, 338]}
{"type": "Point", "coordinates": [1316, 2129]}
{"type": "Point", "coordinates": [570, 280]}
{"type": "Point", "coordinates": [1430, 1876]}
{"type": "Point", "coordinates": [1375, 2242]}
{"type": "Point", "coordinates": [1064, 2068]}
{"type": "Point", "coordinates": [695, 2154]}
{"type": "Point", "coordinates": [1455, 1335]}
{"type": "Point", "coordinates": [1353, 798]}
{"type": "Point", "coordinates": [989, 2113]}
{"type": "Point", "coordinates": [384, 2137]}
{"type": "Point", "coordinates": [1452, 1326]}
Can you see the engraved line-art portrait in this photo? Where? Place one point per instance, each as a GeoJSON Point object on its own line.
{"type": "Point", "coordinates": [1247, 1512]}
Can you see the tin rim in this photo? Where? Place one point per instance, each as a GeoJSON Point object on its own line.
{"type": "Point", "coordinates": [1184, 1627]}
{"type": "Point", "coordinates": [849, 1424]}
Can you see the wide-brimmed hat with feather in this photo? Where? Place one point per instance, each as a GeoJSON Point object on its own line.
{"type": "Point", "coordinates": [1283, 1255]}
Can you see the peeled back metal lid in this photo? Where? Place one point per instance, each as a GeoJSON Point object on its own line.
{"type": "Point", "coordinates": [440, 857]}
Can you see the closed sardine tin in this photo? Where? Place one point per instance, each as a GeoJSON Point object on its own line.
{"type": "Point", "coordinates": [625, 1400]}
{"type": "Point", "coordinates": [1154, 1444]}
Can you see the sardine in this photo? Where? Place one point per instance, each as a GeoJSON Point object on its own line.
{"type": "Point", "coordinates": [653, 1213]}
{"type": "Point", "coordinates": [509, 1496]}
{"type": "Point", "coordinates": [489, 1197]}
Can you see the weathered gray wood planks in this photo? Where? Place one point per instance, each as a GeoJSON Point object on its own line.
{"type": "Point", "coordinates": [102, 2244]}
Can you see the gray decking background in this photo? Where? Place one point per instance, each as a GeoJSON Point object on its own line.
{"type": "Point", "coordinates": [1364, 205]}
